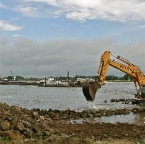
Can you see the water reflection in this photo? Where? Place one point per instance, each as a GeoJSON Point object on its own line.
{"type": "Point", "coordinates": [138, 119]}
{"type": "Point", "coordinates": [131, 118]}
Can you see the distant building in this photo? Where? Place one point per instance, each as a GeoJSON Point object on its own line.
{"type": "Point", "coordinates": [84, 80]}
{"type": "Point", "coordinates": [51, 81]}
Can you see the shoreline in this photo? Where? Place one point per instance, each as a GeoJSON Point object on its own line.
{"type": "Point", "coordinates": [21, 124]}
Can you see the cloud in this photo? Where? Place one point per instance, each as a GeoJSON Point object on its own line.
{"type": "Point", "coordinates": [2, 5]}
{"type": "Point", "coordinates": [28, 11]}
{"type": "Point", "coordinates": [27, 57]}
{"type": "Point", "coordinates": [49, 2]}
{"type": "Point", "coordinates": [16, 35]}
{"type": "Point", "coordinates": [115, 10]}
{"type": "Point", "coordinates": [5, 26]}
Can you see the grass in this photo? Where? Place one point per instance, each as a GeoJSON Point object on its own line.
{"type": "Point", "coordinates": [4, 140]}
{"type": "Point", "coordinates": [75, 141]}
{"type": "Point", "coordinates": [139, 141]}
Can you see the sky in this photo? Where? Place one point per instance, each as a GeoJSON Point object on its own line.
{"type": "Point", "coordinates": [50, 37]}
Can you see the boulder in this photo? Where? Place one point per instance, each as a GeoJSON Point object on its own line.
{"type": "Point", "coordinates": [5, 125]}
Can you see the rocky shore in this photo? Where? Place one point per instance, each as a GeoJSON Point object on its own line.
{"type": "Point", "coordinates": [20, 125]}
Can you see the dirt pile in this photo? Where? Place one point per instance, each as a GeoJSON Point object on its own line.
{"type": "Point", "coordinates": [18, 123]}
{"type": "Point", "coordinates": [69, 114]}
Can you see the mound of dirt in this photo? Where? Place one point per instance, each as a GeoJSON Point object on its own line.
{"type": "Point", "coordinates": [45, 126]}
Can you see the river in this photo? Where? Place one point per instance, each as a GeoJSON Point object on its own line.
{"type": "Point", "coordinates": [71, 98]}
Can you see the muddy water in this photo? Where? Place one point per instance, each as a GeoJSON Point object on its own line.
{"type": "Point", "coordinates": [70, 98]}
{"type": "Point", "coordinates": [131, 118]}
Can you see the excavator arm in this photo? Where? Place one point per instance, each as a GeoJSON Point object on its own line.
{"type": "Point", "coordinates": [124, 65]}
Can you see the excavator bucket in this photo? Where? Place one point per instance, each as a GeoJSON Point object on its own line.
{"type": "Point", "coordinates": [90, 90]}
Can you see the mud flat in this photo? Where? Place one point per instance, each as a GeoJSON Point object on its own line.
{"type": "Point", "coordinates": [20, 125]}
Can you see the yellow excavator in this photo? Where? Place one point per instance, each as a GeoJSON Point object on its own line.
{"type": "Point", "coordinates": [123, 65]}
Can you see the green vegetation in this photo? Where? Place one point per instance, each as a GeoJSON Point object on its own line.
{"type": "Point", "coordinates": [63, 140]}
{"type": "Point", "coordinates": [139, 141]}
{"type": "Point", "coordinates": [126, 77]}
{"type": "Point", "coordinates": [4, 140]}
{"type": "Point", "coordinates": [10, 78]}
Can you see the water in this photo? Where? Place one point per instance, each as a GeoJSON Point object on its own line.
{"type": "Point", "coordinates": [69, 98]}
{"type": "Point", "coordinates": [131, 118]}
{"type": "Point", "coordinates": [42, 97]}
{"type": "Point", "coordinates": [63, 97]}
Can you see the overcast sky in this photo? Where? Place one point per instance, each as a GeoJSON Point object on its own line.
{"type": "Point", "coordinates": [50, 37]}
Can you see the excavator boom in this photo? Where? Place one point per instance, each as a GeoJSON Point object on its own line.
{"type": "Point", "coordinates": [123, 65]}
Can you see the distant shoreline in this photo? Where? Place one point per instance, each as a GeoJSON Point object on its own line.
{"type": "Point", "coordinates": [34, 83]}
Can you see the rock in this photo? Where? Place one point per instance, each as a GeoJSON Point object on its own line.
{"type": "Point", "coordinates": [20, 127]}
{"type": "Point", "coordinates": [35, 114]}
{"type": "Point", "coordinates": [126, 102]}
{"type": "Point", "coordinates": [16, 123]}
{"type": "Point", "coordinates": [50, 139]}
{"type": "Point", "coordinates": [112, 100]}
{"type": "Point", "coordinates": [47, 133]}
{"type": "Point", "coordinates": [13, 135]}
{"type": "Point", "coordinates": [36, 128]}
{"type": "Point", "coordinates": [98, 115]}
{"type": "Point", "coordinates": [57, 133]}
{"type": "Point", "coordinates": [28, 133]}
{"type": "Point", "coordinates": [13, 125]}
{"type": "Point", "coordinates": [83, 115]}
{"type": "Point", "coordinates": [48, 121]}
{"type": "Point", "coordinates": [26, 124]}
{"type": "Point", "coordinates": [42, 117]}
{"type": "Point", "coordinates": [45, 125]}
{"type": "Point", "coordinates": [135, 110]}
{"type": "Point", "coordinates": [5, 125]}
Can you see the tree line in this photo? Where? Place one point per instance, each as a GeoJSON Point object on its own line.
{"type": "Point", "coordinates": [108, 77]}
